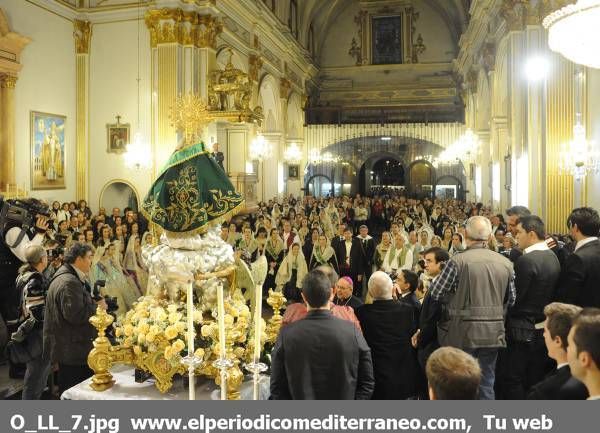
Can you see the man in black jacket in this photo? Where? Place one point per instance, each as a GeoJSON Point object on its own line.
{"type": "Point", "coordinates": [581, 276]}
{"type": "Point", "coordinates": [559, 384]}
{"type": "Point", "coordinates": [321, 357]}
{"type": "Point", "coordinates": [32, 284]}
{"type": "Point", "coordinates": [388, 326]}
{"type": "Point", "coordinates": [68, 334]}
{"type": "Point", "coordinates": [537, 271]}
{"type": "Point", "coordinates": [351, 261]}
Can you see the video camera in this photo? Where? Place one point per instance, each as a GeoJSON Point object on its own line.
{"type": "Point", "coordinates": [111, 302]}
{"type": "Point", "coordinates": [20, 213]}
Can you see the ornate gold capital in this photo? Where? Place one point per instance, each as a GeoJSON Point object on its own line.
{"type": "Point", "coordinates": [471, 79]}
{"type": "Point", "coordinates": [82, 35]}
{"type": "Point", "coordinates": [514, 13]}
{"type": "Point", "coordinates": [284, 88]}
{"type": "Point", "coordinates": [182, 27]}
{"type": "Point", "coordinates": [8, 81]}
{"type": "Point", "coordinates": [488, 56]}
{"type": "Point", "coordinates": [255, 63]}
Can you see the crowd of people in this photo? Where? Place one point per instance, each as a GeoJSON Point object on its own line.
{"type": "Point", "coordinates": [389, 297]}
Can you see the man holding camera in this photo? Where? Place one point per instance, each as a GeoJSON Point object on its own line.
{"type": "Point", "coordinates": [32, 284]}
{"type": "Point", "coordinates": [68, 334]}
{"type": "Point", "coordinates": [17, 233]}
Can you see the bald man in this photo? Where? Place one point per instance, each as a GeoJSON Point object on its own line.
{"type": "Point", "coordinates": [388, 326]}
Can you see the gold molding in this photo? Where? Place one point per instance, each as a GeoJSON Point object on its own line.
{"type": "Point", "coordinates": [285, 86]}
{"type": "Point", "coordinates": [255, 63]}
{"type": "Point", "coordinates": [8, 81]}
{"type": "Point", "coordinates": [82, 35]}
{"type": "Point", "coordinates": [182, 27]}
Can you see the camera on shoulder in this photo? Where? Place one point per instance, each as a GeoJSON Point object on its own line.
{"type": "Point", "coordinates": [21, 213]}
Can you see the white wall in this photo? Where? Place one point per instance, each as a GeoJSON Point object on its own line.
{"type": "Point", "coordinates": [113, 90]}
{"type": "Point", "coordinates": [46, 83]}
{"type": "Point", "coordinates": [338, 39]}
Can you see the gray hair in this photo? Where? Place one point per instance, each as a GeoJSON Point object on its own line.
{"type": "Point", "coordinates": [380, 286]}
{"type": "Point", "coordinates": [478, 228]}
{"type": "Point", "coordinates": [34, 254]}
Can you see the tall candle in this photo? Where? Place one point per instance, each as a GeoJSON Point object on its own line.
{"type": "Point", "coordinates": [190, 339]}
{"type": "Point", "coordinates": [257, 317]}
{"type": "Point", "coordinates": [221, 320]}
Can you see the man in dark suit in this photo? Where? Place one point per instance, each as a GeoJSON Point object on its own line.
{"type": "Point", "coordinates": [388, 326]}
{"type": "Point", "coordinates": [559, 384]}
{"type": "Point", "coordinates": [581, 275]}
{"type": "Point", "coordinates": [321, 356]}
{"type": "Point", "coordinates": [405, 286]}
{"type": "Point", "coordinates": [367, 248]}
{"type": "Point", "coordinates": [537, 271]}
{"type": "Point", "coordinates": [338, 239]}
{"type": "Point", "coordinates": [351, 261]}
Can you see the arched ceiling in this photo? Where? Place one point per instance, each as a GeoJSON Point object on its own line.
{"type": "Point", "coordinates": [323, 13]}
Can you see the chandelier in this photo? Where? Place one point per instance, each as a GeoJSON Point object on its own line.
{"type": "Point", "coordinates": [293, 154]}
{"type": "Point", "coordinates": [465, 148]}
{"type": "Point", "coordinates": [578, 158]}
{"type": "Point", "coordinates": [573, 32]}
{"type": "Point", "coordinates": [138, 156]}
{"type": "Point", "coordinates": [260, 149]}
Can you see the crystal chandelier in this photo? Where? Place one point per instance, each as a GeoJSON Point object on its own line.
{"type": "Point", "coordinates": [137, 156]}
{"type": "Point", "coordinates": [573, 32]}
{"type": "Point", "coordinates": [314, 156]}
{"type": "Point", "coordinates": [293, 154]}
{"type": "Point", "coordinates": [465, 148]}
{"type": "Point", "coordinates": [260, 149]}
{"type": "Point", "coordinates": [579, 158]}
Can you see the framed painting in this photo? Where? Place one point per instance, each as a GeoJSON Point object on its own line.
{"type": "Point", "coordinates": [293, 172]}
{"type": "Point", "coordinates": [386, 40]}
{"type": "Point", "coordinates": [47, 151]}
{"type": "Point", "coordinates": [117, 135]}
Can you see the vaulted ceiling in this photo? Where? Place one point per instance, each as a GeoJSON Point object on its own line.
{"type": "Point", "coordinates": [323, 13]}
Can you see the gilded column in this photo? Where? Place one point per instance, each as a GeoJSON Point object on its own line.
{"type": "Point", "coordinates": [561, 117]}
{"type": "Point", "coordinates": [183, 53]}
{"type": "Point", "coordinates": [82, 34]}
{"type": "Point", "coordinates": [7, 130]}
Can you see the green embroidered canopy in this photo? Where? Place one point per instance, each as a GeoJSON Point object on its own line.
{"type": "Point", "coordinates": [191, 192]}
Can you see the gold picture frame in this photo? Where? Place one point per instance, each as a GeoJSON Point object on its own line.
{"type": "Point", "coordinates": [48, 148]}
{"type": "Point", "coordinates": [117, 137]}
{"type": "Point", "coordinates": [293, 172]}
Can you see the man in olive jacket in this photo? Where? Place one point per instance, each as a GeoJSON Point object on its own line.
{"type": "Point", "coordinates": [68, 334]}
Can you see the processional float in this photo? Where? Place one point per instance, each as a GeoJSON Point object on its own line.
{"type": "Point", "coordinates": [194, 318]}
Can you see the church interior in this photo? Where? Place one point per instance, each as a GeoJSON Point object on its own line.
{"type": "Point", "coordinates": [494, 102]}
{"type": "Point", "coordinates": [478, 74]}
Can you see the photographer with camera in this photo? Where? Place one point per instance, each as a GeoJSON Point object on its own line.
{"type": "Point", "coordinates": [55, 257]}
{"type": "Point", "coordinates": [26, 343]}
{"type": "Point", "coordinates": [68, 334]}
{"type": "Point", "coordinates": [22, 223]}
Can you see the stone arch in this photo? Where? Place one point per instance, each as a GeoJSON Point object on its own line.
{"type": "Point", "coordinates": [113, 188]}
{"type": "Point", "coordinates": [268, 99]}
{"type": "Point", "coordinates": [460, 187]}
{"type": "Point", "coordinates": [295, 121]}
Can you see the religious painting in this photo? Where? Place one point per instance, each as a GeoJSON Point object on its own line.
{"type": "Point", "coordinates": [117, 137]}
{"type": "Point", "coordinates": [293, 172]}
{"type": "Point", "coordinates": [386, 38]}
{"type": "Point", "coordinates": [47, 151]}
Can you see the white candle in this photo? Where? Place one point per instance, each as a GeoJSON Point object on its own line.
{"type": "Point", "coordinates": [190, 342]}
{"type": "Point", "coordinates": [223, 352]}
{"type": "Point", "coordinates": [257, 317]}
